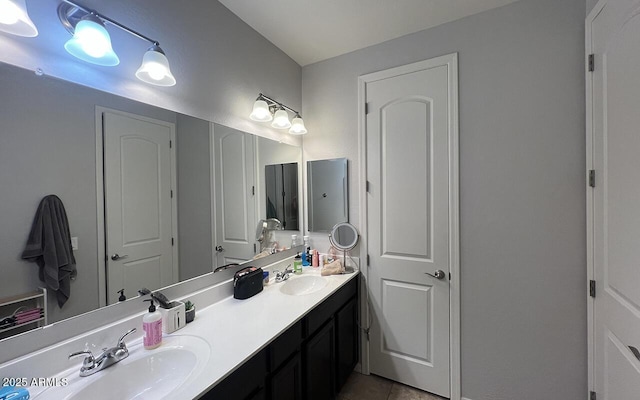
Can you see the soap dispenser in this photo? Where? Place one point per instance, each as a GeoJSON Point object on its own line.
{"type": "Point", "coordinates": [152, 326]}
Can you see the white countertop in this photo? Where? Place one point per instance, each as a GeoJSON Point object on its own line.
{"type": "Point", "coordinates": [234, 329]}
{"type": "Point", "coordinates": [238, 329]}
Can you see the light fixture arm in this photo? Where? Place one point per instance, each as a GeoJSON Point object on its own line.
{"type": "Point", "coordinates": [275, 104]}
{"type": "Point", "coordinates": [64, 13]}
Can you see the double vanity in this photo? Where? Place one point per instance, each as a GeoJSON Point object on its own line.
{"type": "Point", "coordinates": [296, 339]}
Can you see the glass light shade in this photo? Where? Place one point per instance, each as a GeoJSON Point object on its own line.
{"type": "Point", "coordinates": [91, 43]}
{"type": "Point", "coordinates": [281, 120]}
{"type": "Point", "coordinates": [155, 68]}
{"type": "Point", "coordinates": [261, 112]}
{"type": "Point", "coordinates": [297, 126]}
{"type": "Point", "coordinates": [14, 19]}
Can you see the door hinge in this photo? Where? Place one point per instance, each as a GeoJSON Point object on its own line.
{"type": "Point", "coordinates": [253, 190]}
{"type": "Point", "coordinates": [172, 194]}
{"type": "Point", "coordinates": [172, 241]}
{"type": "Point", "coordinates": [592, 288]}
{"type": "Point", "coordinates": [254, 247]}
{"type": "Point", "coordinates": [366, 332]}
{"type": "Point", "coordinates": [170, 144]}
{"type": "Point", "coordinates": [367, 187]}
{"type": "Point", "coordinates": [591, 62]}
{"type": "Point", "coordinates": [592, 395]}
{"type": "Point", "coordinates": [592, 178]}
{"type": "Point", "coordinates": [366, 108]}
{"type": "Point", "coordinates": [368, 260]}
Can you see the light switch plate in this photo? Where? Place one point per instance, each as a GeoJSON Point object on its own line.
{"type": "Point", "coordinates": [74, 243]}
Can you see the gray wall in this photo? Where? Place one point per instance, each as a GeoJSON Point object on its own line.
{"type": "Point", "coordinates": [522, 188]}
{"type": "Point", "coordinates": [194, 197]}
{"type": "Point", "coordinates": [590, 5]}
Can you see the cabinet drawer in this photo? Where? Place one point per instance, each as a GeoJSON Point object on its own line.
{"type": "Point", "coordinates": [284, 346]}
{"type": "Point", "coordinates": [246, 382]}
{"type": "Point", "coordinates": [321, 314]}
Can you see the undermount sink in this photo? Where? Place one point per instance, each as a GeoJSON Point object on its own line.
{"type": "Point", "coordinates": [145, 374]}
{"type": "Point", "coordinates": [298, 286]}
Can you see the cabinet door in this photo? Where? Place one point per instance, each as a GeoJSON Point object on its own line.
{"type": "Point", "coordinates": [319, 356]}
{"type": "Point", "coordinates": [246, 383]}
{"type": "Point", "coordinates": [286, 384]}
{"type": "Point", "coordinates": [346, 342]}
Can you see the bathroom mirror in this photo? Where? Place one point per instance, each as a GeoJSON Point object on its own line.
{"type": "Point", "coordinates": [281, 190]}
{"type": "Point", "coordinates": [344, 236]}
{"type": "Point", "coordinates": [51, 143]}
{"type": "Point", "coordinates": [328, 194]}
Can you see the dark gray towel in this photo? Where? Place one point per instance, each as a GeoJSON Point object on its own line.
{"type": "Point", "coordinates": [49, 245]}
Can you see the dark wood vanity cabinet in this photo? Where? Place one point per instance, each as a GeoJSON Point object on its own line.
{"type": "Point", "coordinates": [245, 383]}
{"type": "Point", "coordinates": [309, 361]}
{"type": "Point", "coordinates": [346, 321]}
{"type": "Point", "coordinates": [320, 364]}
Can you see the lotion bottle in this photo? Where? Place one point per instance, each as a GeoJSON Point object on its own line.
{"type": "Point", "coordinates": [152, 326]}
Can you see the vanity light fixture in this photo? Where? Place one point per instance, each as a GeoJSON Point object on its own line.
{"type": "Point", "coordinates": [91, 43]}
{"type": "Point", "coordinates": [155, 68]}
{"type": "Point", "coordinates": [14, 19]}
{"type": "Point", "coordinates": [281, 119]}
{"type": "Point", "coordinates": [266, 109]}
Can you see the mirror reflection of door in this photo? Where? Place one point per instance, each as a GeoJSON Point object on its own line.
{"type": "Point", "coordinates": [139, 210]}
{"type": "Point", "coordinates": [328, 194]}
{"type": "Point", "coordinates": [281, 189]}
{"type": "Point", "coordinates": [235, 195]}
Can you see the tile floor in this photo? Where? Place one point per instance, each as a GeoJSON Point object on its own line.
{"type": "Point", "coordinates": [372, 387]}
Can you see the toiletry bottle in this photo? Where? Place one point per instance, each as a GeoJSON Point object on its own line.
{"type": "Point", "coordinates": [307, 241]}
{"type": "Point", "coordinates": [297, 264]}
{"type": "Point", "coordinates": [315, 259]}
{"type": "Point", "coordinates": [152, 326]}
{"type": "Point", "coordinates": [305, 257]}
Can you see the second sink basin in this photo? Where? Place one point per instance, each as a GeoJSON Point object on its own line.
{"type": "Point", "coordinates": [302, 285]}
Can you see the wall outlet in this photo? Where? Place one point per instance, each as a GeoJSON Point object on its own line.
{"type": "Point", "coordinates": [74, 243]}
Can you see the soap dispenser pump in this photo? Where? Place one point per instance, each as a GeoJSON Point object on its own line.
{"type": "Point", "coordinates": [152, 326]}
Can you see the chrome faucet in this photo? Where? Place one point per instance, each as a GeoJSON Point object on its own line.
{"type": "Point", "coordinates": [107, 358]}
{"type": "Point", "coordinates": [284, 275]}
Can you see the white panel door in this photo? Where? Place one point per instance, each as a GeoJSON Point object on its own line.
{"type": "Point", "coordinates": [407, 131]}
{"type": "Point", "coordinates": [235, 195]}
{"type": "Point", "coordinates": [138, 203]}
{"type": "Point", "coordinates": [615, 82]}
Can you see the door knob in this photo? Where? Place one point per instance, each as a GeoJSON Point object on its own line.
{"type": "Point", "coordinates": [117, 257]}
{"type": "Point", "coordinates": [439, 274]}
{"type": "Point", "coordinates": [219, 249]}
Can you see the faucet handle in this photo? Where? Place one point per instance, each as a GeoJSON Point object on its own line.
{"type": "Point", "coordinates": [89, 360]}
{"type": "Point", "coordinates": [121, 340]}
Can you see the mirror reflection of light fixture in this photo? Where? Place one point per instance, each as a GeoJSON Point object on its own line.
{"type": "Point", "coordinates": [261, 111]}
{"type": "Point", "coordinates": [155, 68]}
{"type": "Point", "coordinates": [91, 42]}
{"type": "Point", "coordinates": [14, 19]}
{"type": "Point", "coordinates": [281, 119]}
{"type": "Point", "coordinates": [297, 126]}
{"type": "Point", "coordinates": [266, 109]}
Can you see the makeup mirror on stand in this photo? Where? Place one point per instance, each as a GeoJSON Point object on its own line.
{"type": "Point", "coordinates": [344, 237]}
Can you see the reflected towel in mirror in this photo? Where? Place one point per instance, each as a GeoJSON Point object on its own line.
{"type": "Point", "coordinates": [49, 245]}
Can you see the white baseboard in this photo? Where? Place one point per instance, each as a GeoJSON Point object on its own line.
{"type": "Point", "coordinates": [465, 398]}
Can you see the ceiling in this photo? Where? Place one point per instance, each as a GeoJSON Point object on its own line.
{"type": "Point", "coordinates": [314, 30]}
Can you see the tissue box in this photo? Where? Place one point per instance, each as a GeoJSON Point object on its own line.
{"type": "Point", "coordinates": [173, 318]}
